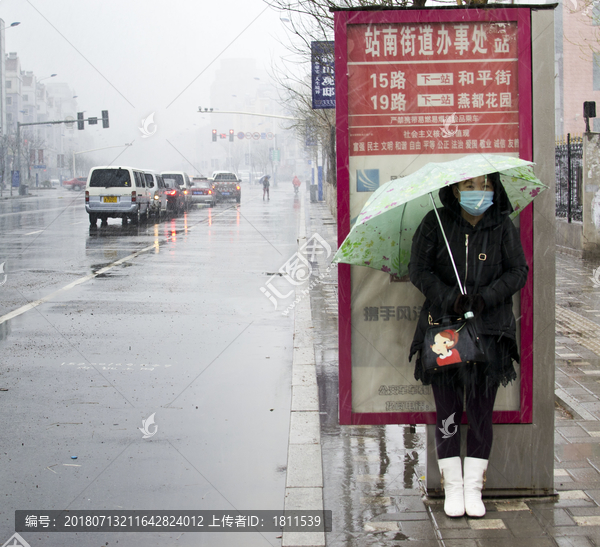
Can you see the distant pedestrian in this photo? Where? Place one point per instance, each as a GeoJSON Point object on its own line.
{"type": "Point", "coordinates": [266, 184]}
{"type": "Point", "coordinates": [296, 182]}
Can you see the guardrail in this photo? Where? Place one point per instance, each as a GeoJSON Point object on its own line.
{"type": "Point", "coordinates": [568, 164]}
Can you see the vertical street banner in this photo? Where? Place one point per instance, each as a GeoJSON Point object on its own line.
{"type": "Point", "coordinates": [413, 87]}
{"type": "Point", "coordinates": [323, 75]}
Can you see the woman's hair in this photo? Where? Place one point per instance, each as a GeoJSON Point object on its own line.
{"type": "Point", "coordinates": [494, 179]}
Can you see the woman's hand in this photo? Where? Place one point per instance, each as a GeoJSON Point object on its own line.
{"type": "Point", "coordinates": [468, 302]}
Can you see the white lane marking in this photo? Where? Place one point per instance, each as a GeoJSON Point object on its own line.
{"type": "Point", "coordinates": [36, 232]}
{"type": "Point", "coordinates": [36, 303]}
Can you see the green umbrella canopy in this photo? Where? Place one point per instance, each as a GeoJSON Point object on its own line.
{"type": "Point", "coordinates": [381, 237]}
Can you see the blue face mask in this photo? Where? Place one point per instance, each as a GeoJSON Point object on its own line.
{"type": "Point", "coordinates": [476, 202]}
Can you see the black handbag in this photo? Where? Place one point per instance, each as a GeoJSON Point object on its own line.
{"type": "Point", "coordinates": [452, 342]}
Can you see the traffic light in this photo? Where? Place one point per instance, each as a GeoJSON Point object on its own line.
{"type": "Point", "coordinates": [231, 135]}
{"type": "Point", "coordinates": [105, 119]}
{"type": "Point", "coordinates": [214, 135]}
{"type": "Point", "coordinates": [80, 122]}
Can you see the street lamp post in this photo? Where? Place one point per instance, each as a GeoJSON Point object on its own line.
{"type": "Point", "coordinates": [46, 77]}
{"type": "Point", "coordinates": [211, 111]}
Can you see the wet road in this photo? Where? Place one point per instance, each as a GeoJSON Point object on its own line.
{"type": "Point", "coordinates": [100, 330]}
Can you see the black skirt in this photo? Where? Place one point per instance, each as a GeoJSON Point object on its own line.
{"type": "Point", "coordinates": [500, 351]}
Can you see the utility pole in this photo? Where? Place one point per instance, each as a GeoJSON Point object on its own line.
{"type": "Point", "coordinates": [80, 125]}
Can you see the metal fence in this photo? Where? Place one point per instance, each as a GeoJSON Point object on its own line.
{"type": "Point", "coordinates": [568, 164]}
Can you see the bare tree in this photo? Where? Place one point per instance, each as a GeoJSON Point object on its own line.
{"type": "Point", "coordinates": [236, 151]}
{"type": "Point", "coordinates": [4, 159]}
{"type": "Point", "coordinates": [587, 39]}
{"type": "Point", "coordinates": [312, 20]}
{"type": "Point", "coordinates": [30, 146]}
{"type": "Point", "coordinates": [315, 128]}
{"type": "Point", "coordinates": [260, 157]}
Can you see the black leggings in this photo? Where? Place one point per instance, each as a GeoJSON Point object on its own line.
{"type": "Point", "coordinates": [480, 403]}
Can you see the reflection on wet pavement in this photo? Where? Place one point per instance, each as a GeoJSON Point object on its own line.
{"type": "Point", "coordinates": [371, 473]}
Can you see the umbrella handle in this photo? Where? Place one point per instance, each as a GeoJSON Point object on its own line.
{"type": "Point", "coordinates": [462, 290]}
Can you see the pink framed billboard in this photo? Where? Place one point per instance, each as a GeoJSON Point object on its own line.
{"type": "Point", "coordinates": [415, 86]}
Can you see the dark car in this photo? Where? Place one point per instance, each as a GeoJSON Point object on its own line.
{"type": "Point", "coordinates": [175, 197]}
{"type": "Point", "coordinates": [202, 191]}
{"type": "Point", "coordinates": [182, 181]}
{"type": "Point", "coordinates": [226, 186]}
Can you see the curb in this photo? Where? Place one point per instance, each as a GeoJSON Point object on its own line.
{"type": "Point", "coordinates": [571, 404]}
{"type": "Point", "coordinates": [304, 478]}
{"type": "Point", "coordinates": [17, 197]}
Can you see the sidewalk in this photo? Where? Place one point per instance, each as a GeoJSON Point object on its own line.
{"type": "Point", "coordinates": [371, 473]}
{"type": "Point", "coordinates": [32, 193]}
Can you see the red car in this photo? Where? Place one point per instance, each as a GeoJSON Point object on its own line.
{"type": "Point", "coordinates": [76, 184]}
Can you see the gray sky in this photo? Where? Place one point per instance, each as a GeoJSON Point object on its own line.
{"type": "Point", "coordinates": [136, 57]}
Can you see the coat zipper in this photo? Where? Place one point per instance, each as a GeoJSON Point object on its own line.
{"type": "Point", "coordinates": [466, 258]}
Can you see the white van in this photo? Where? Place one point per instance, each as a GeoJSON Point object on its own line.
{"type": "Point", "coordinates": [117, 192]}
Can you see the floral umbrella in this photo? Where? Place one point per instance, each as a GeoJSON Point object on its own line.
{"type": "Point", "coordinates": [381, 237]}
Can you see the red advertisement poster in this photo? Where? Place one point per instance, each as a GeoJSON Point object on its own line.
{"type": "Point", "coordinates": [431, 88]}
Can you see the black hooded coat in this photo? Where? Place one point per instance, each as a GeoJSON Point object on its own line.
{"type": "Point", "coordinates": [503, 273]}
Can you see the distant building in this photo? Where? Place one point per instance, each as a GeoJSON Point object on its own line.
{"type": "Point", "coordinates": [45, 149]}
{"type": "Point", "coordinates": [29, 97]}
{"type": "Point", "coordinates": [2, 81]}
{"type": "Point", "coordinates": [13, 84]}
{"type": "Point", "coordinates": [577, 60]}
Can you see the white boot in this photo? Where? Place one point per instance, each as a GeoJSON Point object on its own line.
{"type": "Point", "coordinates": [475, 469]}
{"type": "Point", "coordinates": [452, 481]}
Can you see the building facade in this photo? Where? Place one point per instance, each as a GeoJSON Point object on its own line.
{"type": "Point", "coordinates": [577, 65]}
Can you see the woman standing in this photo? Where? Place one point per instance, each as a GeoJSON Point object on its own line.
{"type": "Point", "coordinates": [475, 217]}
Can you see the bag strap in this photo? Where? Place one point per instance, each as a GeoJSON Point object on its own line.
{"type": "Point", "coordinates": [480, 265]}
